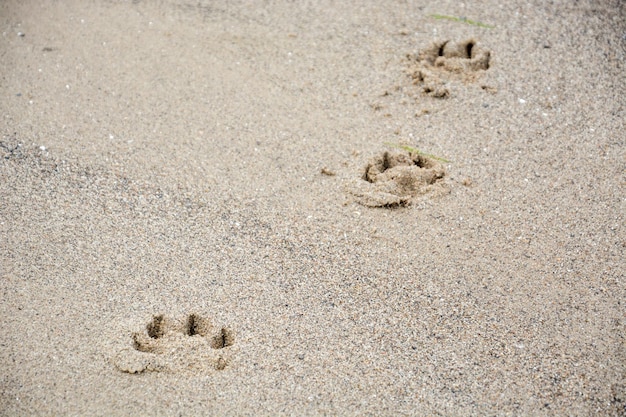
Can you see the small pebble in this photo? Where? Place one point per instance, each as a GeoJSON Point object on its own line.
{"type": "Point", "coordinates": [327, 171]}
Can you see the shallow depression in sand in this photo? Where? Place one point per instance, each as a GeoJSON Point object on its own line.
{"type": "Point", "coordinates": [167, 345]}
{"type": "Point", "coordinates": [393, 179]}
{"type": "Point", "coordinates": [433, 67]}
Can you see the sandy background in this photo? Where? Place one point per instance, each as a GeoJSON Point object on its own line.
{"type": "Point", "coordinates": [164, 158]}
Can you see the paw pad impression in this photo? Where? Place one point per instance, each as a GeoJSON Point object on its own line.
{"type": "Point", "coordinates": [167, 345]}
{"type": "Point", "coordinates": [441, 62]}
{"type": "Point", "coordinates": [393, 179]}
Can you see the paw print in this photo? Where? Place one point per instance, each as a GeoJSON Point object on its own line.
{"type": "Point", "coordinates": [393, 179]}
{"type": "Point", "coordinates": [441, 62]}
{"type": "Point", "coordinates": [167, 345]}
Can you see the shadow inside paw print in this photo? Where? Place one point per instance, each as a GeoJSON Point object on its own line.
{"type": "Point", "coordinates": [392, 179]}
{"type": "Point", "coordinates": [168, 345]}
{"type": "Point", "coordinates": [434, 66]}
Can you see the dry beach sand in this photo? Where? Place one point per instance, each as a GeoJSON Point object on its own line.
{"type": "Point", "coordinates": [201, 212]}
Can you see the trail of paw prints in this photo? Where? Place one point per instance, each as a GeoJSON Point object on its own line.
{"type": "Point", "coordinates": [194, 344]}
{"type": "Point", "coordinates": [433, 67]}
{"type": "Point", "coordinates": [394, 179]}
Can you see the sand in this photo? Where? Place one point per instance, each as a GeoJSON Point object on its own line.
{"type": "Point", "coordinates": [206, 208]}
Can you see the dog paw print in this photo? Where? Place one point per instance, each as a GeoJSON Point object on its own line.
{"type": "Point", "coordinates": [393, 179]}
{"type": "Point", "coordinates": [441, 62]}
{"type": "Point", "coordinates": [167, 345]}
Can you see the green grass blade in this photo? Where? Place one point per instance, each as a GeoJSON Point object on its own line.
{"type": "Point", "coordinates": [461, 19]}
{"type": "Point", "coordinates": [411, 149]}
